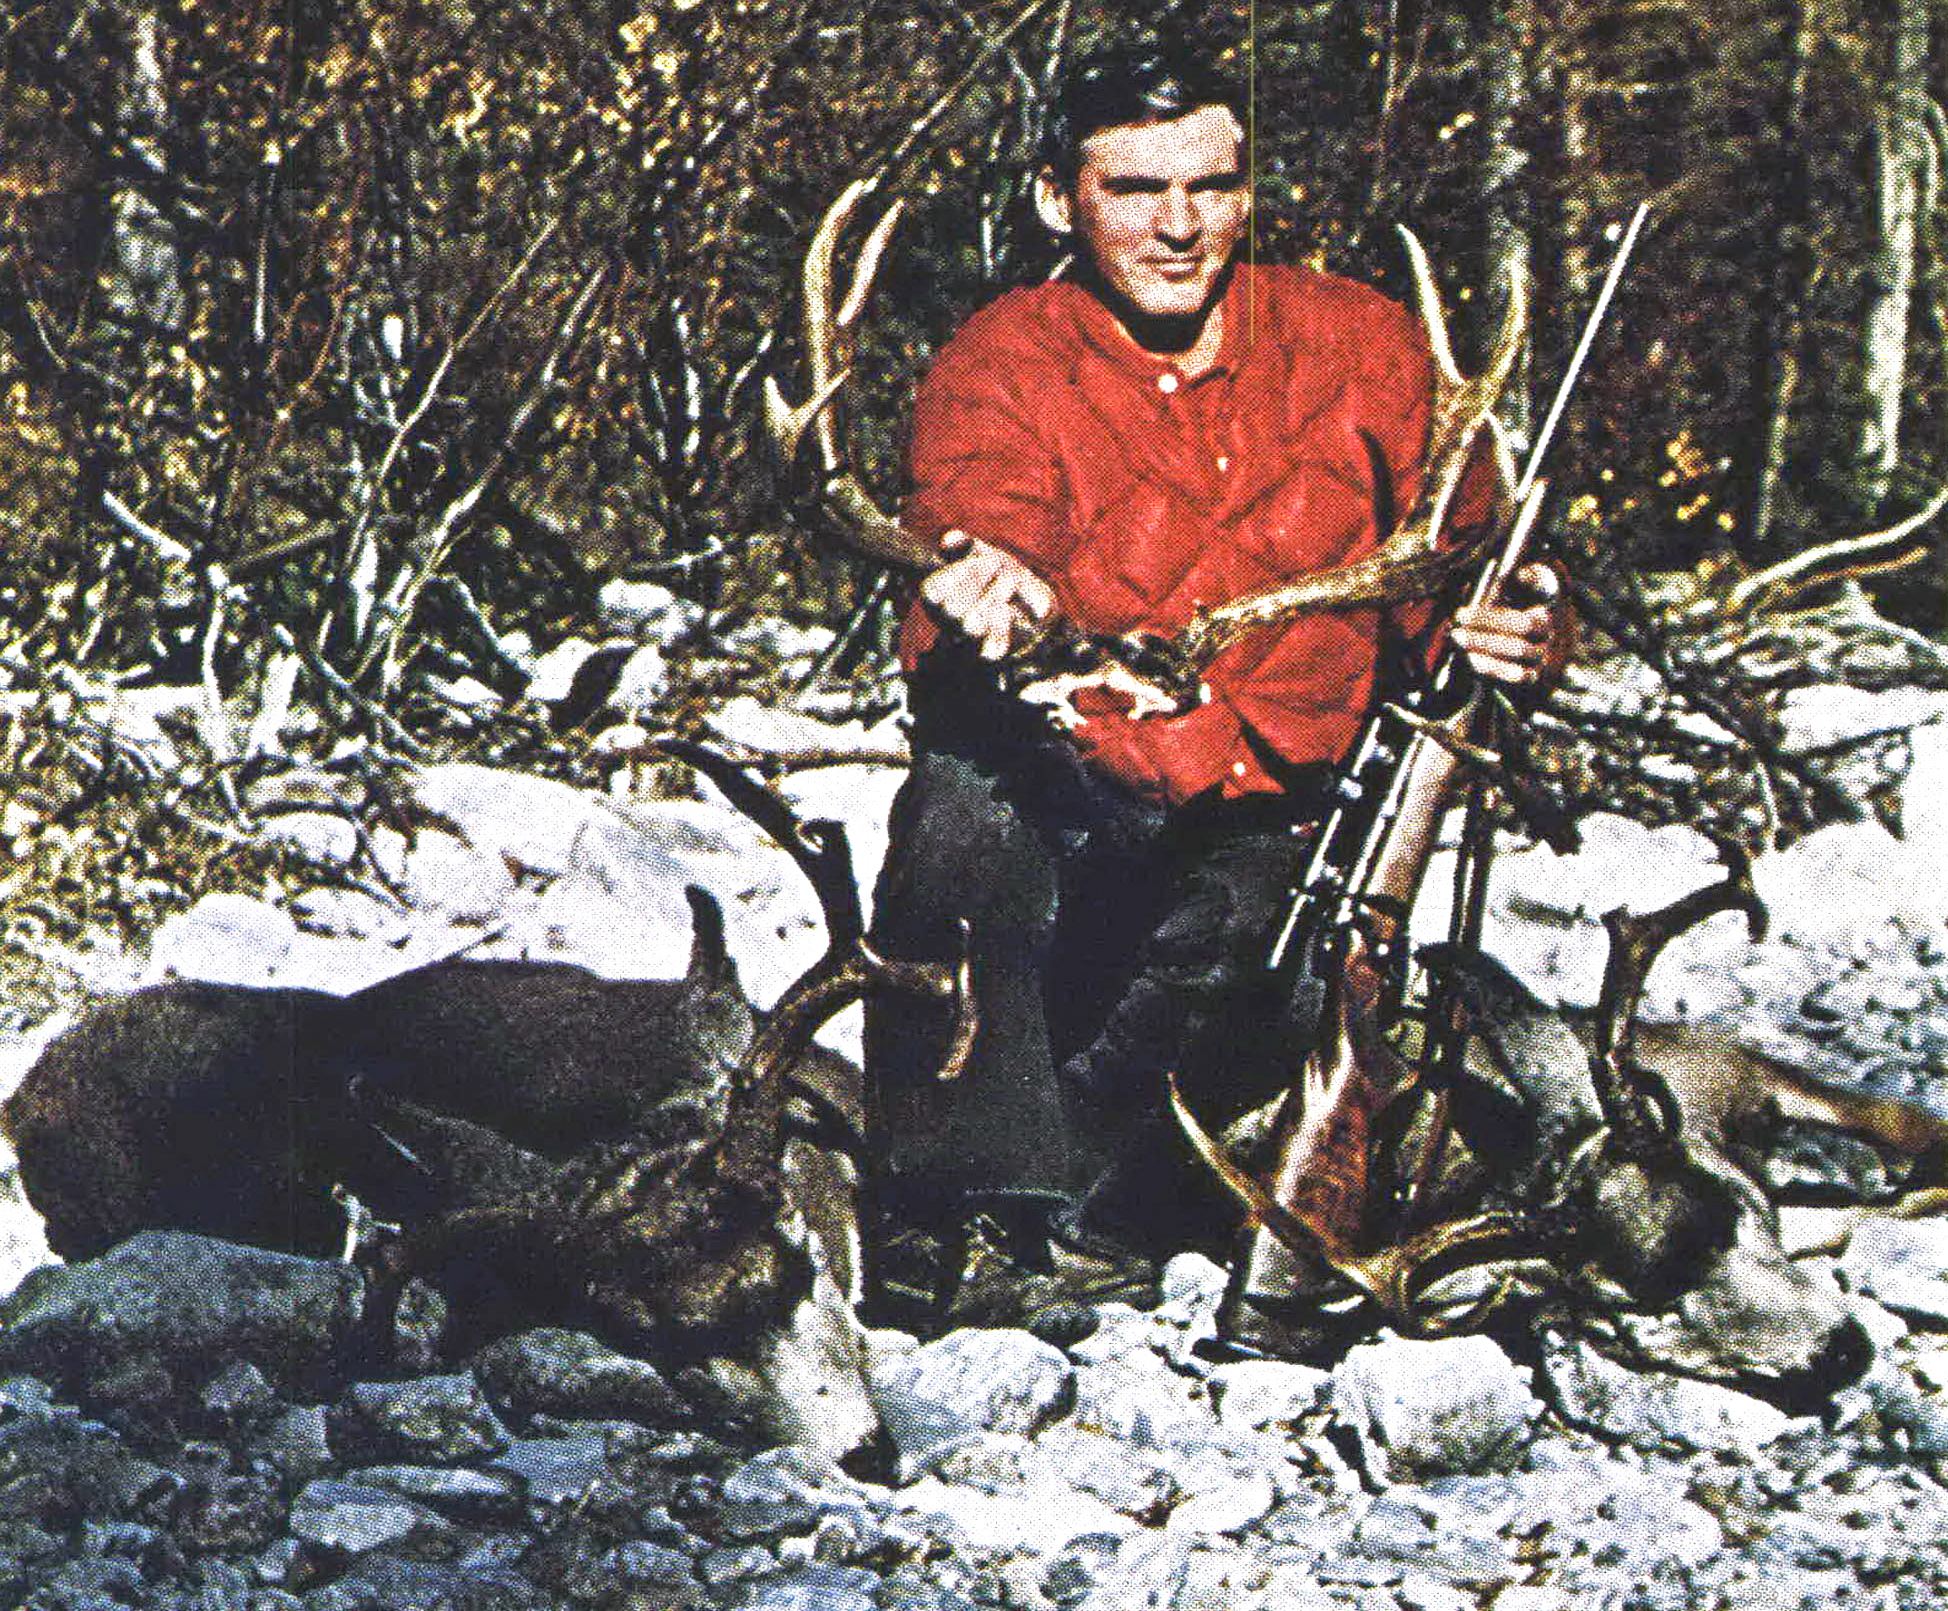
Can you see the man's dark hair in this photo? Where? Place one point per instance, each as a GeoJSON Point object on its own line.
{"type": "Point", "coordinates": [1149, 83]}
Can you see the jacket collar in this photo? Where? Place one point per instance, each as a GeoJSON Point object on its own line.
{"type": "Point", "coordinates": [1103, 333]}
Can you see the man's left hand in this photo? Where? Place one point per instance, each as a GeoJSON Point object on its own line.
{"type": "Point", "coordinates": [1526, 644]}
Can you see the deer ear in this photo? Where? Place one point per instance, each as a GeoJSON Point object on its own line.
{"type": "Point", "coordinates": [1053, 204]}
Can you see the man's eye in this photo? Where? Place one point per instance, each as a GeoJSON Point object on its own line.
{"type": "Point", "coordinates": [1222, 182]}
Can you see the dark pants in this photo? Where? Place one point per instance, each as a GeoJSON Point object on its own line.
{"type": "Point", "coordinates": [1112, 943]}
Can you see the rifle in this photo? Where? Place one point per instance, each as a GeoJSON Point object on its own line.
{"type": "Point", "coordinates": [1344, 956]}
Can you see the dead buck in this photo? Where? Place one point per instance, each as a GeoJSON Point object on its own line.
{"type": "Point", "coordinates": [1587, 1170]}
{"type": "Point", "coordinates": [653, 1160]}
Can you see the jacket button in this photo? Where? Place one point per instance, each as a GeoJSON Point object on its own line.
{"type": "Point", "coordinates": [1168, 381]}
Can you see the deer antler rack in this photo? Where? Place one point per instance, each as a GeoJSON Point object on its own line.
{"type": "Point", "coordinates": [1156, 673]}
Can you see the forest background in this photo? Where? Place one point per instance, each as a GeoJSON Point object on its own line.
{"type": "Point", "coordinates": [348, 347]}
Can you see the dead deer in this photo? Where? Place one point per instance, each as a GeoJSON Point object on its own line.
{"type": "Point", "coordinates": [653, 1160]}
{"type": "Point", "coordinates": [1592, 1172]}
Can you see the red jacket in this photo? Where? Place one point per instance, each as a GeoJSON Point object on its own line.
{"type": "Point", "coordinates": [1138, 495]}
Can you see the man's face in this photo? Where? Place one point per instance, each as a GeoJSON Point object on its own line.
{"type": "Point", "coordinates": [1159, 207]}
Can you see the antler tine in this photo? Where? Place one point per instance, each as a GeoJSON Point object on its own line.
{"type": "Point", "coordinates": [830, 338]}
{"type": "Point", "coordinates": [1392, 1277]}
{"type": "Point", "coordinates": [1410, 563]}
{"type": "Point", "coordinates": [1637, 940]}
{"type": "Point", "coordinates": [1464, 406]}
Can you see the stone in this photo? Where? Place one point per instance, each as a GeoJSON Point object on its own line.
{"type": "Point", "coordinates": [1653, 1412]}
{"type": "Point", "coordinates": [428, 1419]}
{"type": "Point", "coordinates": [224, 939]}
{"type": "Point", "coordinates": [970, 1381]}
{"type": "Point", "coordinates": [1142, 1400]}
{"type": "Point", "coordinates": [177, 1301]}
{"type": "Point", "coordinates": [1902, 1264]}
{"type": "Point", "coordinates": [1425, 1409]}
{"type": "Point", "coordinates": [571, 1374]}
{"type": "Point", "coordinates": [478, 1497]}
{"type": "Point", "coordinates": [1042, 1517]}
{"type": "Point", "coordinates": [811, 1588]}
{"type": "Point", "coordinates": [1267, 1394]}
{"type": "Point", "coordinates": [1396, 1528]}
{"type": "Point", "coordinates": [356, 1519]}
{"type": "Point", "coordinates": [408, 1585]}
{"type": "Point", "coordinates": [56, 1472]}
{"type": "Point", "coordinates": [640, 1561]}
{"type": "Point", "coordinates": [1224, 1507]}
{"type": "Point", "coordinates": [553, 1471]}
{"type": "Point", "coordinates": [782, 1491]}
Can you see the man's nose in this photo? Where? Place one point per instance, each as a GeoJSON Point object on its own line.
{"type": "Point", "coordinates": [1177, 215]}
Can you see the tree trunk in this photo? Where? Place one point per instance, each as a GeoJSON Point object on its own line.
{"type": "Point", "coordinates": [1507, 244]}
{"type": "Point", "coordinates": [1900, 157]}
{"type": "Point", "coordinates": [1778, 329]}
{"type": "Point", "coordinates": [140, 277]}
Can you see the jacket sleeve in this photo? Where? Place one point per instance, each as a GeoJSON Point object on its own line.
{"type": "Point", "coordinates": [977, 462]}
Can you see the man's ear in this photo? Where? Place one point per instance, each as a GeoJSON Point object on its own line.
{"type": "Point", "coordinates": [1053, 204]}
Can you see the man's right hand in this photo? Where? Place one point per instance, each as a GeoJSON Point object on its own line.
{"type": "Point", "coordinates": [986, 593]}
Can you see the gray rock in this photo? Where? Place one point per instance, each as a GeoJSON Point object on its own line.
{"type": "Point", "coordinates": [721, 1567]}
{"type": "Point", "coordinates": [1260, 1394]}
{"type": "Point", "coordinates": [239, 1391]}
{"type": "Point", "coordinates": [1424, 1409]}
{"type": "Point", "coordinates": [1131, 1481]}
{"type": "Point", "coordinates": [1653, 1412]}
{"type": "Point", "coordinates": [1396, 1528]}
{"type": "Point", "coordinates": [466, 1496]}
{"type": "Point", "coordinates": [356, 1519]}
{"type": "Point", "coordinates": [385, 1584]}
{"type": "Point", "coordinates": [812, 1588]}
{"type": "Point", "coordinates": [569, 1373]}
{"type": "Point", "coordinates": [553, 1471]}
{"type": "Point", "coordinates": [296, 1442]}
{"type": "Point", "coordinates": [970, 1381]}
{"type": "Point", "coordinates": [640, 1561]}
{"type": "Point", "coordinates": [55, 1472]}
{"type": "Point", "coordinates": [1225, 1506]}
{"type": "Point", "coordinates": [1902, 1264]}
{"type": "Point", "coordinates": [429, 1419]}
{"type": "Point", "coordinates": [782, 1491]}
{"type": "Point", "coordinates": [173, 1302]}
{"type": "Point", "coordinates": [1143, 1401]}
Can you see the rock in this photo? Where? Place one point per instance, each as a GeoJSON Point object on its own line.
{"type": "Point", "coordinates": [782, 1491]}
{"type": "Point", "coordinates": [571, 1374]}
{"type": "Point", "coordinates": [1902, 1264]}
{"type": "Point", "coordinates": [553, 1471]}
{"type": "Point", "coordinates": [811, 1588]}
{"type": "Point", "coordinates": [1042, 1517]}
{"type": "Point", "coordinates": [223, 938]}
{"type": "Point", "coordinates": [1224, 1507]}
{"type": "Point", "coordinates": [55, 1472]}
{"type": "Point", "coordinates": [406, 1585]}
{"type": "Point", "coordinates": [1652, 1412]}
{"type": "Point", "coordinates": [647, 611]}
{"type": "Point", "coordinates": [473, 1497]}
{"type": "Point", "coordinates": [1423, 1409]}
{"type": "Point", "coordinates": [436, 1419]}
{"type": "Point", "coordinates": [970, 1381]}
{"type": "Point", "coordinates": [1267, 1394]}
{"type": "Point", "coordinates": [1396, 1528]}
{"type": "Point", "coordinates": [355, 1519]}
{"type": "Point", "coordinates": [175, 1302]}
{"type": "Point", "coordinates": [1142, 1400]}
{"type": "Point", "coordinates": [295, 1442]}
